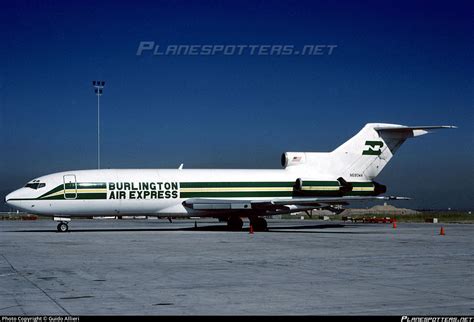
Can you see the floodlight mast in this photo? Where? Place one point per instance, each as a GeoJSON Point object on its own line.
{"type": "Point", "coordinates": [99, 86]}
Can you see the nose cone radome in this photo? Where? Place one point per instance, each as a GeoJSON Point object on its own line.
{"type": "Point", "coordinates": [9, 197]}
{"type": "Point", "coordinates": [12, 198]}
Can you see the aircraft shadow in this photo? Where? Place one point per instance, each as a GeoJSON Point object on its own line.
{"type": "Point", "coordinates": [213, 228]}
{"type": "Point", "coordinates": [315, 229]}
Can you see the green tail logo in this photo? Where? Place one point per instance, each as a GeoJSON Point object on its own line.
{"type": "Point", "coordinates": [373, 148]}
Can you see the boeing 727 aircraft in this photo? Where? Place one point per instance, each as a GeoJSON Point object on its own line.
{"type": "Point", "coordinates": [308, 180]}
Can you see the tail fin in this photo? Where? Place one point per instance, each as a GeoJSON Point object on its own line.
{"type": "Point", "coordinates": [366, 154]}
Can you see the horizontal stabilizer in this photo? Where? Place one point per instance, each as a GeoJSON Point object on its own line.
{"type": "Point", "coordinates": [401, 127]}
{"type": "Point", "coordinates": [411, 131]}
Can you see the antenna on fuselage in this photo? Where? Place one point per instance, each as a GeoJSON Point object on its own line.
{"type": "Point", "coordinates": [181, 166]}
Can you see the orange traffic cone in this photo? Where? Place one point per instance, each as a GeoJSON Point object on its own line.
{"type": "Point", "coordinates": [441, 232]}
{"type": "Point", "coordinates": [394, 224]}
{"type": "Point", "coordinates": [251, 229]}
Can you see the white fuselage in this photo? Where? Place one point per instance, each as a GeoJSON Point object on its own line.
{"type": "Point", "coordinates": [149, 191]}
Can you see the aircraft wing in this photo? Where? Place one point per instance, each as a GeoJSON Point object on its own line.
{"type": "Point", "coordinates": [275, 204]}
{"type": "Point", "coordinates": [333, 200]}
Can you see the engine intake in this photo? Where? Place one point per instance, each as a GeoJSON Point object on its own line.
{"type": "Point", "coordinates": [289, 159]}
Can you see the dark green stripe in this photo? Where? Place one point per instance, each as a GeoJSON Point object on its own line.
{"type": "Point", "coordinates": [320, 183]}
{"type": "Point", "coordinates": [360, 193]}
{"type": "Point", "coordinates": [248, 194]}
{"type": "Point", "coordinates": [70, 185]}
{"type": "Point", "coordinates": [91, 196]}
{"type": "Point", "coordinates": [58, 188]}
{"type": "Point", "coordinates": [266, 184]}
{"type": "Point", "coordinates": [362, 184]}
{"type": "Point", "coordinates": [234, 184]}
{"type": "Point", "coordinates": [21, 199]}
{"type": "Point", "coordinates": [236, 194]}
{"type": "Point", "coordinates": [91, 185]}
{"type": "Point", "coordinates": [81, 185]}
{"type": "Point", "coordinates": [80, 196]}
{"type": "Point", "coordinates": [244, 194]}
{"type": "Point", "coordinates": [317, 193]}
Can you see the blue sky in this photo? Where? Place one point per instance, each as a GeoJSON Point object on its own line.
{"type": "Point", "coordinates": [401, 62]}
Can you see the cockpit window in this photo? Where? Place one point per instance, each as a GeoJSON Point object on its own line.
{"type": "Point", "coordinates": [35, 185]}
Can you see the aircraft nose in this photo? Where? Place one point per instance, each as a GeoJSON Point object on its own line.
{"type": "Point", "coordinates": [8, 197]}
{"type": "Point", "coordinates": [15, 199]}
{"type": "Point", "coordinates": [11, 197]}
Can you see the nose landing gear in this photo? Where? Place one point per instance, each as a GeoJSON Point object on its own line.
{"type": "Point", "coordinates": [63, 224]}
{"type": "Point", "coordinates": [62, 227]}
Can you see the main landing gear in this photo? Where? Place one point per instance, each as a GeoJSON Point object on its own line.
{"type": "Point", "coordinates": [258, 224]}
{"type": "Point", "coordinates": [235, 223]}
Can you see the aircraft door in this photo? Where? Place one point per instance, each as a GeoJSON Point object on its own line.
{"type": "Point", "coordinates": [70, 186]}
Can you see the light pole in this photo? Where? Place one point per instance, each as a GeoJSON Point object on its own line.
{"type": "Point", "coordinates": [99, 86]}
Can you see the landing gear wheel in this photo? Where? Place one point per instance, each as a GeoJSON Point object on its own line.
{"type": "Point", "coordinates": [259, 224]}
{"type": "Point", "coordinates": [63, 227]}
{"type": "Point", "coordinates": [235, 224]}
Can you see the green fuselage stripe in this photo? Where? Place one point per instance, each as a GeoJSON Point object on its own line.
{"type": "Point", "coordinates": [234, 184]}
{"type": "Point", "coordinates": [79, 196]}
{"type": "Point", "coordinates": [362, 184]}
{"type": "Point", "coordinates": [236, 194]}
{"type": "Point", "coordinates": [247, 189]}
{"type": "Point", "coordinates": [320, 183]}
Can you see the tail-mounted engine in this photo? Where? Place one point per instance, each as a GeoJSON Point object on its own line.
{"type": "Point", "coordinates": [289, 159]}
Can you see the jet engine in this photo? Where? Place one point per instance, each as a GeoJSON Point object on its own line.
{"type": "Point", "coordinates": [289, 159]}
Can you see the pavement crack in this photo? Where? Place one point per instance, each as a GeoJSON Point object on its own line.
{"type": "Point", "coordinates": [76, 297]}
{"type": "Point", "coordinates": [9, 307]}
{"type": "Point", "coordinates": [35, 285]}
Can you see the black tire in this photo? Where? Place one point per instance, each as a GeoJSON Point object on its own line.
{"type": "Point", "coordinates": [259, 224]}
{"type": "Point", "coordinates": [63, 227]}
{"type": "Point", "coordinates": [235, 224]}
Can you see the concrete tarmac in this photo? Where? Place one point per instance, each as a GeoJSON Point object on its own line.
{"type": "Point", "coordinates": [152, 267]}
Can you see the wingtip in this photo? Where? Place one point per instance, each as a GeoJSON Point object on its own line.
{"type": "Point", "coordinates": [397, 198]}
{"type": "Point", "coordinates": [448, 127]}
